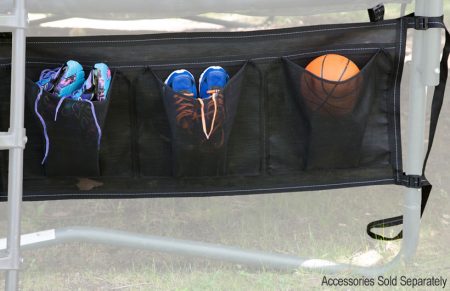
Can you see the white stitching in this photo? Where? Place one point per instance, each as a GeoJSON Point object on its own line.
{"type": "Point", "coordinates": [395, 97]}
{"type": "Point", "coordinates": [209, 37]}
{"type": "Point", "coordinates": [218, 191]}
{"type": "Point", "coordinates": [227, 61]}
{"type": "Point", "coordinates": [441, 25]}
{"type": "Point", "coordinates": [338, 50]}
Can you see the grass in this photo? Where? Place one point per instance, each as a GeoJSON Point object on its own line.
{"type": "Point", "coordinates": [153, 280]}
{"type": "Point", "coordinates": [324, 224]}
{"type": "Point", "coordinates": [328, 225]}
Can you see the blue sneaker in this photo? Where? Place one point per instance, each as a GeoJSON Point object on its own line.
{"type": "Point", "coordinates": [96, 86]}
{"type": "Point", "coordinates": [62, 81]}
{"type": "Point", "coordinates": [212, 79]}
{"type": "Point", "coordinates": [47, 78]}
{"type": "Point", "coordinates": [182, 81]}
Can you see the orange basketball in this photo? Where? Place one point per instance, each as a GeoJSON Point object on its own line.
{"type": "Point", "coordinates": [331, 87]}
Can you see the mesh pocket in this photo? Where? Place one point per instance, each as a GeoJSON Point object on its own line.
{"type": "Point", "coordinates": [200, 128]}
{"type": "Point", "coordinates": [335, 113]}
{"type": "Point", "coordinates": [72, 133]}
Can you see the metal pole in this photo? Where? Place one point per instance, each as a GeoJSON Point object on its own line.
{"type": "Point", "coordinates": [250, 258]}
{"type": "Point", "coordinates": [402, 9]}
{"type": "Point", "coordinates": [424, 72]}
{"type": "Point", "coordinates": [16, 154]}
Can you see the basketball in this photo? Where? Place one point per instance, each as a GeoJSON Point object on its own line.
{"type": "Point", "coordinates": [332, 85]}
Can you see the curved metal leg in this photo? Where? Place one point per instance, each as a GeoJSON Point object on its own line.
{"type": "Point", "coordinates": [192, 248]}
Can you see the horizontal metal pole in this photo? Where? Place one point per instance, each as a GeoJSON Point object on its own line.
{"type": "Point", "coordinates": [13, 21]}
{"type": "Point", "coordinates": [250, 258]}
{"type": "Point", "coordinates": [10, 140]}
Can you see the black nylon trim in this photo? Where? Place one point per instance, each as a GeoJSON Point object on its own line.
{"type": "Point", "coordinates": [394, 116]}
{"type": "Point", "coordinates": [30, 196]}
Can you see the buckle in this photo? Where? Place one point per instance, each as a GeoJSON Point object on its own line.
{"type": "Point", "coordinates": [421, 22]}
{"type": "Point", "coordinates": [376, 13]}
{"type": "Point", "coordinates": [411, 181]}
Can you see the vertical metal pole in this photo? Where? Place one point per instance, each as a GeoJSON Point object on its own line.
{"type": "Point", "coordinates": [424, 72]}
{"type": "Point", "coordinates": [402, 9]}
{"type": "Point", "coordinates": [16, 154]}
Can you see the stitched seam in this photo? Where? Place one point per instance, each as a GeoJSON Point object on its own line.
{"type": "Point", "coordinates": [210, 37]}
{"type": "Point", "coordinates": [218, 191]}
{"type": "Point", "coordinates": [262, 111]}
{"type": "Point", "coordinates": [395, 98]}
{"type": "Point", "coordinates": [337, 50]}
{"type": "Point", "coordinates": [442, 25]}
{"type": "Point", "coordinates": [226, 61]}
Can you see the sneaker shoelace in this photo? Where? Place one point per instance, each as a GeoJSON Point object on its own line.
{"type": "Point", "coordinates": [185, 108]}
{"type": "Point", "coordinates": [94, 115]}
{"type": "Point", "coordinates": [207, 132]}
{"type": "Point", "coordinates": [49, 73]}
{"type": "Point", "coordinates": [45, 74]}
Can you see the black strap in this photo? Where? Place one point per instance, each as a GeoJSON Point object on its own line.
{"type": "Point", "coordinates": [421, 23]}
{"type": "Point", "coordinates": [397, 220]}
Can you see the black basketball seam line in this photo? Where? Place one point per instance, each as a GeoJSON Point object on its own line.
{"type": "Point", "coordinates": [329, 94]}
{"type": "Point", "coordinates": [340, 80]}
{"type": "Point", "coordinates": [337, 82]}
{"type": "Point", "coordinates": [330, 105]}
{"type": "Point", "coordinates": [316, 94]}
{"type": "Point", "coordinates": [325, 100]}
{"type": "Point", "coordinates": [323, 65]}
{"type": "Point", "coordinates": [345, 69]}
{"type": "Point", "coordinates": [319, 97]}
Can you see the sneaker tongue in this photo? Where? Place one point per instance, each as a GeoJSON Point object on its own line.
{"type": "Point", "coordinates": [216, 80]}
{"type": "Point", "coordinates": [90, 82]}
{"type": "Point", "coordinates": [87, 91]}
{"type": "Point", "coordinates": [182, 85]}
{"type": "Point", "coordinates": [56, 80]}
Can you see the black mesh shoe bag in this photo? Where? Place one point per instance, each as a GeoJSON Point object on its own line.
{"type": "Point", "coordinates": [275, 127]}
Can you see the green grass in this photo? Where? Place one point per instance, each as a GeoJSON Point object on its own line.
{"type": "Point", "coordinates": [152, 280]}
{"type": "Point", "coordinates": [327, 225]}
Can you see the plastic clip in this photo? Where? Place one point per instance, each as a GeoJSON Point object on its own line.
{"type": "Point", "coordinates": [411, 181]}
{"type": "Point", "coordinates": [421, 22]}
{"type": "Point", "coordinates": [376, 13]}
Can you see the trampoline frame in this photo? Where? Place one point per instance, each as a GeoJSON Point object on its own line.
{"type": "Point", "coordinates": [424, 73]}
